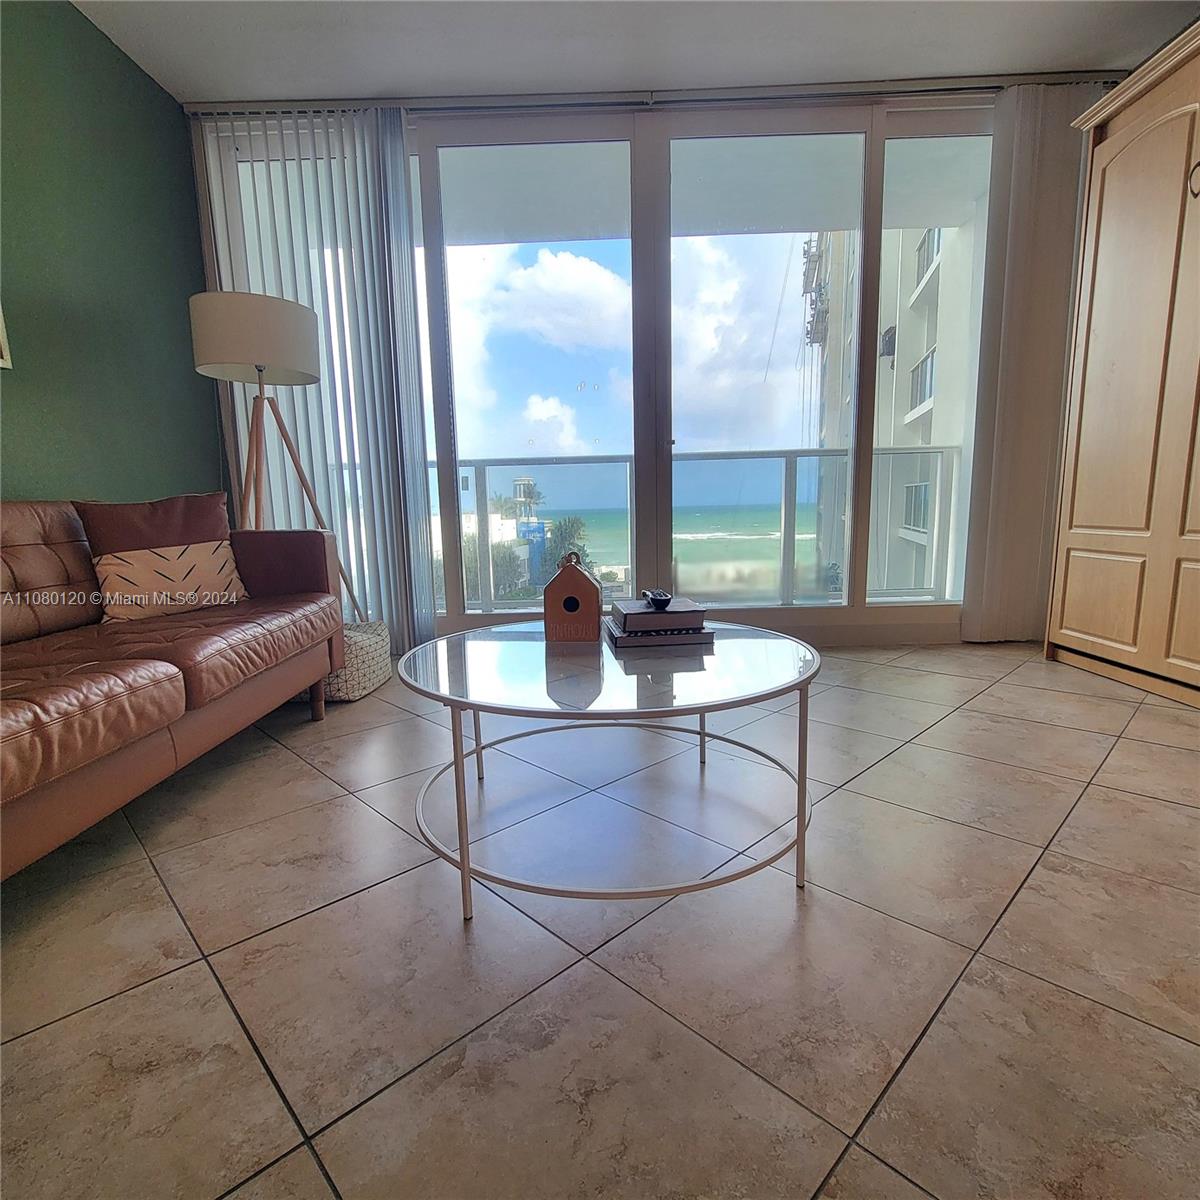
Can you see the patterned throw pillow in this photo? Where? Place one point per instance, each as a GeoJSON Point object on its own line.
{"type": "Point", "coordinates": [164, 556]}
{"type": "Point", "coordinates": [148, 583]}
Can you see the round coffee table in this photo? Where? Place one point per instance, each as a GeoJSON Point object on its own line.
{"type": "Point", "coordinates": [511, 670]}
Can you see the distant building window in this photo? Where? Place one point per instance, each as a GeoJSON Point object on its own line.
{"type": "Point", "coordinates": [927, 251]}
{"type": "Point", "coordinates": [921, 382]}
{"type": "Point", "coordinates": [916, 507]}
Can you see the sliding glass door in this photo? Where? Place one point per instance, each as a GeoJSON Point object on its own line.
{"type": "Point", "coordinates": [649, 341]}
{"type": "Point", "coordinates": [536, 269]}
{"type": "Point", "coordinates": [766, 235]}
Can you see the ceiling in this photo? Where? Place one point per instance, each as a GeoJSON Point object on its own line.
{"type": "Point", "coordinates": [210, 50]}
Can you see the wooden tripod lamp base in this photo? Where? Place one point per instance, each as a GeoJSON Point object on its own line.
{"type": "Point", "coordinates": [255, 476]}
{"type": "Point", "coordinates": [244, 337]}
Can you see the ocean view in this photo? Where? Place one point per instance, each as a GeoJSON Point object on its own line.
{"type": "Point", "coordinates": [716, 534]}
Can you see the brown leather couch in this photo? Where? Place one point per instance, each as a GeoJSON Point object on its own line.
{"type": "Point", "coordinates": [92, 714]}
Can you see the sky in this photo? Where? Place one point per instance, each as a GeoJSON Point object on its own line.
{"type": "Point", "coordinates": [541, 340]}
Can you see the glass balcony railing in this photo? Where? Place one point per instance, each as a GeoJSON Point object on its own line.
{"type": "Point", "coordinates": [921, 380]}
{"type": "Point", "coordinates": [778, 536]}
{"type": "Point", "coordinates": [928, 248]}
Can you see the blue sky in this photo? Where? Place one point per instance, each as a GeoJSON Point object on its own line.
{"type": "Point", "coordinates": [542, 363]}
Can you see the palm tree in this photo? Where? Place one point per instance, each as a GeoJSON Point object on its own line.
{"type": "Point", "coordinates": [569, 533]}
{"type": "Point", "coordinates": [506, 506]}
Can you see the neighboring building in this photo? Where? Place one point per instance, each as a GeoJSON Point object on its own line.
{"type": "Point", "coordinates": [931, 287]}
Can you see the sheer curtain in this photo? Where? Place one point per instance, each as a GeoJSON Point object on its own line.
{"type": "Point", "coordinates": [314, 207]}
{"type": "Point", "coordinates": [1037, 169]}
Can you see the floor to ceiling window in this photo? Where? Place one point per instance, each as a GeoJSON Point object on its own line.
{"type": "Point", "coordinates": [765, 234]}
{"type": "Point", "coordinates": [648, 343]}
{"type": "Point", "coordinates": [537, 284]}
{"type": "Point", "coordinates": [931, 274]}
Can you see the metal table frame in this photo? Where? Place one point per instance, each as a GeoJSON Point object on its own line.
{"type": "Point", "coordinates": [608, 719]}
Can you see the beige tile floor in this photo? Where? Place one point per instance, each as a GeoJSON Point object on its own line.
{"type": "Point", "coordinates": [255, 981]}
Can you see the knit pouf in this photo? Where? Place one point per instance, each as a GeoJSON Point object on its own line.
{"type": "Point", "coordinates": [368, 662]}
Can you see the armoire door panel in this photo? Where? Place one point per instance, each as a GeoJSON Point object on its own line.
{"type": "Point", "coordinates": [1183, 649]}
{"type": "Point", "coordinates": [1171, 612]}
{"type": "Point", "coordinates": [1127, 566]}
{"type": "Point", "coordinates": [1137, 217]}
{"type": "Point", "coordinates": [1102, 597]}
{"type": "Point", "coordinates": [1190, 525]}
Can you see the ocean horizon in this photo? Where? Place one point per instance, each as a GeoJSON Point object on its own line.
{"type": "Point", "coordinates": [719, 533]}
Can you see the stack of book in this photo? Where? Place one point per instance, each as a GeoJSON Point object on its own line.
{"type": "Point", "coordinates": [634, 623]}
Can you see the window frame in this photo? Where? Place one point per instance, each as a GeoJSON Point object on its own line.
{"type": "Point", "coordinates": [649, 133]}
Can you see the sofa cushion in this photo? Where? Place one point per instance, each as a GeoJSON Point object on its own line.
{"type": "Point", "coordinates": [136, 584]}
{"type": "Point", "coordinates": [215, 648]}
{"type": "Point", "coordinates": [57, 717]}
{"type": "Point", "coordinates": [46, 573]}
{"type": "Point", "coordinates": [174, 521]}
{"type": "Point", "coordinates": [162, 556]}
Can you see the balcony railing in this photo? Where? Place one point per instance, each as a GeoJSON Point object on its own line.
{"type": "Point", "coordinates": [809, 566]}
{"type": "Point", "coordinates": [927, 250]}
{"type": "Point", "coordinates": [921, 380]}
{"type": "Point", "coordinates": [916, 507]}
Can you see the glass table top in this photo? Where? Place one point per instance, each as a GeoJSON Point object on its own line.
{"type": "Point", "coordinates": [513, 669]}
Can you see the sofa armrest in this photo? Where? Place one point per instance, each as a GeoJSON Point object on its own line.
{"type": "Point", "coordinates": [283, 562]}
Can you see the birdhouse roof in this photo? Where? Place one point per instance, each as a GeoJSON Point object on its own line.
{"type": "Point", "coordinates": [569, 572]}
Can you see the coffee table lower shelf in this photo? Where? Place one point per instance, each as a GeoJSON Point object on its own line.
{"type": "Point", "coordinates": [468, 871]}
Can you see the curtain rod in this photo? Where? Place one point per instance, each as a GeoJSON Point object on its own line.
{"type": "Point", "coordinates": [877, 89]}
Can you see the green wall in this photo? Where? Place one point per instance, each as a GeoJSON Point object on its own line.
{"type": "Point", "coordinates": [99, 251]}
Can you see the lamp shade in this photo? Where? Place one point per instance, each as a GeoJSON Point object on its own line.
{"type": "Point", "coordinates": [235, 333]}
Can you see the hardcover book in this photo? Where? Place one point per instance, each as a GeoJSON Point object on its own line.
{"type": "Point", "coordinates": [631, 615]}
{"type": "Point", "coordinates": [623, 639]}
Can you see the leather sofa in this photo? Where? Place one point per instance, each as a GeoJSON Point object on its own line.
{"type": "Point", "coordinates": [92, 714]}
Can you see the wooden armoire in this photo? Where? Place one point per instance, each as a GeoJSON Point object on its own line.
{"type": "Point", "coordinates": [1126, 594]}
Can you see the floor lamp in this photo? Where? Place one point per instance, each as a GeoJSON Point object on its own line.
{"type": "Point", "coordinates": [243, 337]}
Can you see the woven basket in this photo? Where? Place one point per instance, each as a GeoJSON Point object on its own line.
{"type": "Point", "coordinates": [368, 662]}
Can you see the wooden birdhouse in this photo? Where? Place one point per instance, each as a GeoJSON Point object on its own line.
{"type": "Point", "coordinates": [571, 603]}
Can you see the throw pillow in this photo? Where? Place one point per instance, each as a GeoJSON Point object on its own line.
{"type": "Point", "coordinates": [163, 556]}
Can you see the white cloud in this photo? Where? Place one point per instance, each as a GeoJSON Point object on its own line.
{"type": "Point", "coordinates": [743, 375]}
{"type": "Point", "coordinates": [731, 387]}
{"type": "Point", "coordinates": [564, 300]}
{"type": "Point", "coordinates": [473, 275]}
{"type": "Point", "coordinates": [568, 301]}
{"type": "Point", "coordinates": [541, 409]}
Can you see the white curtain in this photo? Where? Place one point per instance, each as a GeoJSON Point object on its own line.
{"type": "Point", "coordinates": [314, 207]}
{"type": "Point", "coordinates": [1037, 166]}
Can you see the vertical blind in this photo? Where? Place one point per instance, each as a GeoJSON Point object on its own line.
{"type": "Point", "coordinates": [314, 207]}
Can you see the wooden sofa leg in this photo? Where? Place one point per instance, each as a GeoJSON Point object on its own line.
{"type": "Point", "coordinates": [316, 700]}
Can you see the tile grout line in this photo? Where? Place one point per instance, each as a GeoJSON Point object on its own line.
{"type": "Point", "coordinates": [258, 1174]}
{"type": "Point", "coordinates": [204, 954]}
{"type": "Point", "coordinates": [981, 953]}
{"type": "Point", "coordinates": [16, 1037]}
{"type": "Point", "coordinates": [587, 955]}
{"type": "Point", "coordinates": [308, 912]}
{"type": "Point", "coordinates": [307, 1139]}
{"type": "Point", "coordinates": [708, 1041]}
{"type": "Point", "coordinates": [974, 953]}
{"type": "Point", "coordinates": [851, 1144]}
{"type": "Point", "coordinates": [1008, 837]}
{"type": "Point", "coordinates": [237, 1016]}
{"type": "Point", "coordinates": [391, 1083]}
{"type": "Point", "coordinates": [966, 966]}
{"type": "Point", "coordinates": [963, 754]}
{"type": "Point", "coordinates": [912, 740]}
{"type": "Point", "coordinates": [238, 828]}
{"type": "Point", "coordinates": [484, 836]}
{"type": "Point", "coordinates": [1175, 887]}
